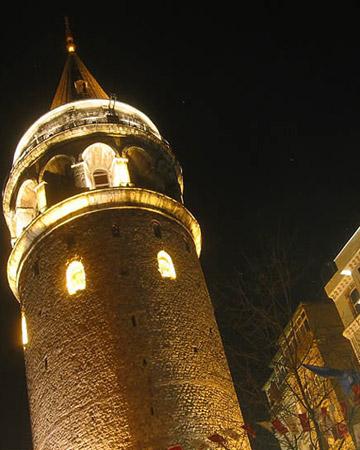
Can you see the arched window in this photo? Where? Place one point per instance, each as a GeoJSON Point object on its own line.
{"type": "Point", "coordinates": [98, 159]}
{"type": "Point", "coordinates": [165, 265]}
{"type": "Point", "coordinates": [57, 180]}
{"type": "Point", "coordinates": [26, 205]}
{"type": "Point", "coordinates": [75, 277]}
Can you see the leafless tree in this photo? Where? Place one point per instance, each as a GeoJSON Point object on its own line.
{"type": "Point", "coordinates": [259, 316]}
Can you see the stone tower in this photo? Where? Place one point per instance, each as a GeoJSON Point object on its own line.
{"type": "Point", "coordinates": [121, 345]}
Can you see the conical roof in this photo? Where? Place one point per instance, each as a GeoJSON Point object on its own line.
{"type": "Point", "coordinates": [76, 82]}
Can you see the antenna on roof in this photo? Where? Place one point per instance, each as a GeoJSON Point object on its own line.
{"type": "Point", "coordinates": [70, 44]}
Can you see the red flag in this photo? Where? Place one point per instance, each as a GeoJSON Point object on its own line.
{"type": "Point", "coordinates": [279, 426]}
{"type": "Point", "coordinates": [305, 423]}
{"type": "Point", "coordinates": [339, 430]}
{"type": "Point", "coordinates": [324, 412]}
{"type": "Point", "coordinates": [326, 423]}
{"type": "Point", "coordinates": [342, 429]}
{"type": "Point", "coordinates": [249, 430]}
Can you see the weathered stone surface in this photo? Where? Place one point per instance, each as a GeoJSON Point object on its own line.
{"type": "Point", "coordinates": [135, 361]}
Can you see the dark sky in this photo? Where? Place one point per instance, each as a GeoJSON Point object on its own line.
{"type": "Point", "coordinates": [260, 106]}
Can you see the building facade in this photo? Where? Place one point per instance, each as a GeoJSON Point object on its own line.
{"type": "Point", "coordinates": [121, 344]}
{"type": "Point", "coordinates": [344, 289]}
{"type": "Point", "coordinates": [312, 410]}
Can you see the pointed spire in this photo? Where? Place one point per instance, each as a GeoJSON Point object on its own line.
{"type": "Point", "coordinates": [76, 82]}
{"type": "Point", "coordinates": [70, 44]}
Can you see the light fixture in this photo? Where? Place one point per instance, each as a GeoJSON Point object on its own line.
{"type": "Point", "coordinates": [346, 272]}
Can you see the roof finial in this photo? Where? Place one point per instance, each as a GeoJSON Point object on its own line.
{"type": "Point", "coordinates": [70, 44]}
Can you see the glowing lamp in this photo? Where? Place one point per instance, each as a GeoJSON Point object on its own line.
{"type": "Point", "coordinates": [346, 272]}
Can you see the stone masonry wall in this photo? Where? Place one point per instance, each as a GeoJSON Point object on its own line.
{"type": "Point", "coordinates": [135, 361]}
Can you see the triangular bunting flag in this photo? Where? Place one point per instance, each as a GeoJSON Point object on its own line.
{"type": "Point", "coordinates": [279, 426]}
{"type": "Point", "coordinates": [305, 423]}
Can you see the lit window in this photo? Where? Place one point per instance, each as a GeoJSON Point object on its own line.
{"type": "Point", "coordinates": [81, 86]}
{"type": "Point", "coordinates": [25, 338]}
{"type": "Point", "coordinates": [355, 299]}
{"type": "Point", "coordinates": [166, 266]}
{"type": "Point", "coordinates": [98, 159]}
{"type": "Point", "coordinates": [75, 277]}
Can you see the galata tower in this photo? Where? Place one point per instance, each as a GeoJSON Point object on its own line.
{"type": "Point", "coordinates": [121, 345]}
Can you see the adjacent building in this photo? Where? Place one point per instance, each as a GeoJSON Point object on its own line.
{"type": "Point", "coordinates": [344, 289]}
{"type": "Point", "coordinates": [308, 410]}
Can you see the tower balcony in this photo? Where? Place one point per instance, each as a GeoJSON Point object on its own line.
{"type": "Point", "coordinates": [84, 146]}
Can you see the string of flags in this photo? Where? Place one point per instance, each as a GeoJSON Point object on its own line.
{"type": "Point", "coordinates": [300, 423]}
{"type": "Point", "coordinates": [293, 425]}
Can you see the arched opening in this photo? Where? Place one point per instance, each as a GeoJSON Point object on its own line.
{"type": "Point", "coordinates": [98, 158]}
{"type": "Point", "coordinates": [26, 205]}
{"type": "Point", "coordinates": [165, 265]}
{"type": "Point", "coordinates": [75, 277]}
{"type": "Point", "coordinates": [142, 169]}
{"type": "Point", "coordinates": [153, 170]}
{"type": "Point", "coordinates": [58, 179]}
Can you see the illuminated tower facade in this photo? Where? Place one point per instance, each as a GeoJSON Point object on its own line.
{"type": "Point", "coordinates": [121, 345]}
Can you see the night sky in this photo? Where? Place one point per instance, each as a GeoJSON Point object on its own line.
{"type": "Point", "coordinates": [260, 106]}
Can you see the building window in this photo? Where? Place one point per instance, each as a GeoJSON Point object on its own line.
{"type": "Point", "coordinates": [355, 299]}
{"type": "Point", "coordinates": [24, 332]}
{"type": "Point", "coordinates": [157, 229]}
{"type": "Point", "coordinates": [75, 277]}
{"type": "Point", "coordinates": [98, 159]}
{"type": "Point", "coordinates": [166, 266]}
{"type": "Point", "coordinates": [115, 230]}
{"type": "Point", "coordinates": [81, 87]}
{"type": "Point", "coordinates": [101, 178]}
